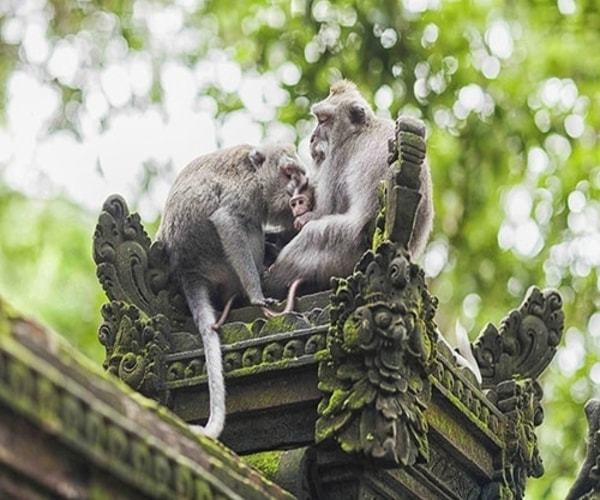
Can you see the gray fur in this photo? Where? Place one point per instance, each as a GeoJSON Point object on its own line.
{"type": "Point", "coordinates": [212, 227]}
{"type": "Point", "coordinates": [350, 151]}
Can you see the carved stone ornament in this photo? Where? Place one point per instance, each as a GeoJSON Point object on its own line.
{"type": "Point", "coordinates": [382, 342]}
{"type": "Point", "coordinates": [135, 347]}
{"type": "Point", "coordinates": [145, 304]}
{"type": "Point", "coordinates": [132, 269]}
{"type": "Point", "coordinates": [526, 342]}
{"type": "Point", "coordinates": [400, 196]}
{"type": "Point", "coordinates": [520, 402]}
{"type": "Point", "coordinates": [510, 360]}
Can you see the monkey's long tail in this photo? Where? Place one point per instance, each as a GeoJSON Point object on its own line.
{"type": "Point", "coordinates": [205, 317]}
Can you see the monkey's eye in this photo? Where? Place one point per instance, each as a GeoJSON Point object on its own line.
{"type": "Point", "coordinates": [324, 118]}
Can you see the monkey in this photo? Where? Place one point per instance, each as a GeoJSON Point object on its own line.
{"type": "Point", "coordinates": [349, 146]}
{"type": "Point", "coordinates": [349, 151]}
{"type": "Point", "coordinates": [301, 204]}
{"type": "Point", "coordinates": [301, 201]}
{"type": "Point", "coordinates": [319, 142]}
{"type": "Point", "coordinates": [318, 145]}
{"type": "Point", "coordinates": [213, 230]}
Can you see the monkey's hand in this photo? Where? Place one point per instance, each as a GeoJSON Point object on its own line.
{"type": "Point", "coordinates": [302, 220]}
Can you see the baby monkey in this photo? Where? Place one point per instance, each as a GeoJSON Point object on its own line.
{"type": "Point", "coordinates": [302, 197]}
{"type": "Point", "coordinates": [212, 227]}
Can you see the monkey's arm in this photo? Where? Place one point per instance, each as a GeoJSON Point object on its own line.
{"type": "Point", "coordinates": [321, 250]}
{"type": "Point", "coordinates": [238, 251]}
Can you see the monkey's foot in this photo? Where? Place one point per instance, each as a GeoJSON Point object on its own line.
{"type": "Point", "coordinates": [221, 321]}
{"type": "Point", "coordinates": [290, 302]}
{"type": "Point", "coordinates": [264, 302]}
{"type": "Point", "coordinates": [270, 314]}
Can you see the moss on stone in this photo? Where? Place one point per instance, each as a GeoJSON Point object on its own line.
{"type": "Point", "coordinates": [267, 462]}
{"type": "Point", "coordinates": [351, 332]}
{"type": "Point", "coordinates": [378, 238]}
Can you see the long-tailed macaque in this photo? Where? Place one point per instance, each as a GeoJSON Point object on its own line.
{"type": "Point", "coordinates": [350, 149]}
{"type": "Point", "coordinates": [212, 227]}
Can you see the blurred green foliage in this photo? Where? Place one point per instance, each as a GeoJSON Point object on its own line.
{"type": "Point", "coordinates": [504, 88]}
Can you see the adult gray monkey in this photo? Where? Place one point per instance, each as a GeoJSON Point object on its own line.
{"type": "Point", "coordinates": [350, 150]}
{"type": "Point", "coordinates": [212, 227]}
{"type": "Point", "coordinates": [349, 147]}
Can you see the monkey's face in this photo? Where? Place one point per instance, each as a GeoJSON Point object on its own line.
{"type": "Point", "coordinates": [298, 197]}
{"type": "Point", "coordinates": [300, 204]}
{"type": "Point", "coordinates": [283, 176]}
{"type": "Point", "coordinates": [319, 140]}
{"type": "Point", "coordinates": [338, 118]}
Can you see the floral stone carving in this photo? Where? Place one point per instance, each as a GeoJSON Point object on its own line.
{"type": "Point", "coordinates": [145, 305]}
{"type": "Point", "coordinates": [135, 347]}
{"type": "Point", "coordinates": [520, 401]}
{"type": "Point", "coordinates": [381, 348]}
{"type": "Point", "coordinates": [510, 360]}
{"type": "Point", "coordinates": [132, 269]}
{"type": "Point", "coordinates": [526, 342]}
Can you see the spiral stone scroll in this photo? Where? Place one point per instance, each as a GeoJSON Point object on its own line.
{"type": "Point", "coordinates": [526, 342]}
{"type": "Point", "coordinates": [132, 269]}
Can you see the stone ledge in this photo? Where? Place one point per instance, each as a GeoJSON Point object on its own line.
{"type": "Point", "coordinates": [109, 427]}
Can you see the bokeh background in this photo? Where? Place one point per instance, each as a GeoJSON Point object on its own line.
{"type": "Point", "coordinates": [104, 96]}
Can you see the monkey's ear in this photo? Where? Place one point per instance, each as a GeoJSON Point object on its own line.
{"type": "Point", "coordinates": [292, 171]}
{"type": "Point", "coordinates": [256, 158]}
{"type": "Point", "coordinates": [358, 114]}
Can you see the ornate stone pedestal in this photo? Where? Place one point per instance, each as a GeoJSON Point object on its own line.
{"type": "Point", "coordinates": [355, 395]}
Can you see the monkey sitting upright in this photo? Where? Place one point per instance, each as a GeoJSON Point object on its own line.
{"type": "Point", "coordinates": [350, 150]}
{"type": "Point", "coordinates": [212, 227]}
{"type": "Point", "coordinates": [349, 147]}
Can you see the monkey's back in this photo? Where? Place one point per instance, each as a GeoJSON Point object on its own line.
{"type": "Point", "coordinates": [223, 178]}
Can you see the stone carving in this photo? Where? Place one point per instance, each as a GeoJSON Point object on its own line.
{"type": "Point", "coordinates": [520, 402]}
{"type": "Point", "coordinates": [447, 472]}
{"type": "Point", "coordinates": [407, 156]}
{"type": "Point", "coordinates": [400, 195]}
{"type": "Point", "coordinates": [270, 350]}
{"type": "Point", "coordinates": [381, 348]}
{"type": "Point", "coordinates": [145, 304]}
{"type": "Point", "coordinates": [133, 270]}
{"type": "Point", "coordinates": [461, 383]}
{"type": "Point", "coordinates": [99, 433]}
{"type": "Point", "coordinates": [135, 347]}
{"type": "Point", "coordinates": [510, 360]}
{"type": "Point", "coordinates": [526, 342]}
{"type": "Point", "coordinates": [587, 484]}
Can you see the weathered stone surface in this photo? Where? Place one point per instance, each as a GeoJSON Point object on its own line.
{"type": "Point", "coordinates": [526, 342]}
{"type": "Point", "coordinates": [68, 430]}
{"type": "Point", "coordinates": [381, 345]}
{"type": "Point", "coordinates": [355, 386]}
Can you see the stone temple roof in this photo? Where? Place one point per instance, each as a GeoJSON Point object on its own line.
{"type": "Point", "coordinates": [70, 430]}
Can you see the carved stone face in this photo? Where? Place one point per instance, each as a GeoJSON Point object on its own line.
{"type": "Point", "coordinates": [386, 336]}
